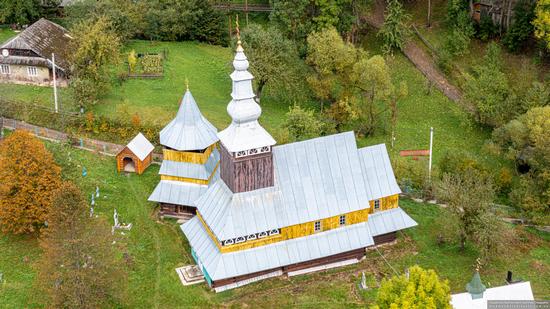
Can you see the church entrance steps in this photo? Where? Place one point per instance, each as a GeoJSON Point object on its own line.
{"type": "Point", "coordinates": [190, 274]}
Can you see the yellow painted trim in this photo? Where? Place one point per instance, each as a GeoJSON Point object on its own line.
{"type": "Point", "coordinates": [189, 157]}
{"type": "Point", "coordinates": [307, 228]}
{"type": "Point", "coordinates": [209, 231]}
{"type": "Point", "coordinates": [386, 203]}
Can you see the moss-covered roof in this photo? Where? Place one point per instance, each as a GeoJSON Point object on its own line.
{"type": "Point", "coordinates": [44, 38]}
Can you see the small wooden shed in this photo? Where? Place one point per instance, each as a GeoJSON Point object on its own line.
{"type": "Point", "coordinates": [136, 156]}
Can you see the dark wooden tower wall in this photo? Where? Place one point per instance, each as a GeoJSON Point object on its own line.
{"type": "Point", "coordinates": [246, 173]}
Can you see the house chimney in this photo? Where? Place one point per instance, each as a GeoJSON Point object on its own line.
{"type": "Point", "coordinates": [509, 277]}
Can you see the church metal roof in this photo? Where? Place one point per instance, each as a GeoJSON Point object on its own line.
{"type": "Point", "coordinates": [296, 250]}
{"type": "Point", "coordinates": [220, 266]}
{"type": "Point", "coordinates": [178, 192]}
{"type": "Point", "coordinates": [314, 179]}
{"type": "Point", "coordinates": [189, 130]}
{"type": "Point", "coordinates": [378, 172]}
{"type": "Point", "coordinates": [191, 170]}
{"type": "Point", "coordinates": [388, 221]}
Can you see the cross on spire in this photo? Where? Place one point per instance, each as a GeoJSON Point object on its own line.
{"type": "Point", "coordinates": [238, 32]}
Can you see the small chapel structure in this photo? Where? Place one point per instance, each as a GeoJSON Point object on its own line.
{"type": "Point", "coordinates": [136, 156]}
{"type": "Point", "coordinates": [258, 210]}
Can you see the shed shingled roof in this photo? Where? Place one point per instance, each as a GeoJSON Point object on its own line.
{"type": "Point", "coordinates": [140, 146]}
{"type": "Point", "coordinates": [44, 38]}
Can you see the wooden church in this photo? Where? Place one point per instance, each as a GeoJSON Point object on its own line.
{"type": "Point", "coordinates": [264, 210]}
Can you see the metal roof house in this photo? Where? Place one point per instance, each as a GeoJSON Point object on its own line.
{"type": "Point", "coordinates": [136, 156]}
{"type": "Point", "coordinates": [271, 210]}
{"type": "Point", "coordinates": [27, 57]}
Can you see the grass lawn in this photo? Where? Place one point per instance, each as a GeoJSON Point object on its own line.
{"type": "Point", "coordinates": [157, 248]}
{"type": "Point", "coordinates": [454, 130]}
{"type": "Point", "coordinates": [208, 67]}
{"type": "Point", "coordinates": [5, 34]}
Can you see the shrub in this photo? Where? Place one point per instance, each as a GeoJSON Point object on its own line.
{"type": "Point", "coordinates": [486, 29]}
{"type": "Point", "coordinates": [301, 123]}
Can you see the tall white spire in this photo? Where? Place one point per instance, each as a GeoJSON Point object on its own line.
{"type": "Point", "coordinates": [244, 132]}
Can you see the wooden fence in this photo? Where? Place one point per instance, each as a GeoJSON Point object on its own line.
{"type": "Point", "coordinates": [89, 144]}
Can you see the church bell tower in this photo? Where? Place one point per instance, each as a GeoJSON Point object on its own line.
{"type": "Point", "coordinates": [246, 157]}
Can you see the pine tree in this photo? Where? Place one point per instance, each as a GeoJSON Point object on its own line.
{"type": "Point", "coordinates": [28, 179]}
{"type": "Point", "coordinates": [394, 31]}
{"type": "Point", "coordinates": [79, 268]}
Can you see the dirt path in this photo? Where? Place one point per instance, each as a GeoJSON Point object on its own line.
{"type": "Point", "coordinates": [421, 60]}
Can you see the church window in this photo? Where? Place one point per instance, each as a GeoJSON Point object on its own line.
{"type": "Point", "coordinates": [376, 204]}
{"type": "Point", "coordinates": [317, 226]}
{"type": "Point", "coordinates": [240, 239]}
{"type": "Point", "coordinates": [274, 232]}
{"type": "Point", "coordinates": [342, 220]}
{"type": "Point", "coordinates": [262, 235]}
{"type": "Point", "coordinates": [228, 242]}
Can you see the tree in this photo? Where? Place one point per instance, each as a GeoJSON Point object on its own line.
{"type": "Point", "coordinates": [28, 179]}
{"type": "Point", "coordinates": [527, 139]}
{"type": "Point", "coordinates": [469, 194]}
{"type": "Point", "coordinates": [95, 46]}
{"type": "Point", "coordinates": [522, 28]}
{"type": "Point", "coordinates": [419, 289]}
{"type": "Point", "coordinates": [489, 92]}
{"type": "Point", "coordinates": [358, 88]}
{"type": "Point", "coordinates": [542, 21]}
{"type": "Point", "coordinates": [126, 16]}
{"type": "Point", "coordinates": [372, 78]}
{"type": "Point", "coordinates": [208, 25]}
{"type": "Point", "coordinates": [273, 59]}
{"type": "Point", "coordinates": [395, 30]}
{"type": "Point", "coordinates": [302, 123]}
{"type": "Point", "coordinates": [20, 12]}
{"type": "Point", "coordinates": [299, 18]}
{"type": "Point", "coordinates": [79, 268]}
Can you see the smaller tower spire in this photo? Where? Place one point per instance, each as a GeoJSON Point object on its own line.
{"type": "Point", "coordinates": [475, 287]}
{"type": "Point", "coordinates": [239, 43]}
{"type": "Point", "coordinates": [187, 84]}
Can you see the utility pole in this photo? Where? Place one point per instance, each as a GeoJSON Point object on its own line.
{"type": "Point", "coordinates": [431, 146]}
{"type": "Point", "coordinates": [54, 84]}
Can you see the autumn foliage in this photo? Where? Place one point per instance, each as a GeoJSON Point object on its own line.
{"type": "Point", "coordinates": [28, 178]}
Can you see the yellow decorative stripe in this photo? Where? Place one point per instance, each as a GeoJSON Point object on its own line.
{"type": "Point", "coordinates": [209, 231]}
{"type": "Point", "coordinates": [386, 203]}
{"type": "Point", "coordinates": [305, 229]}
{"type": "Point", "coordinates": [184, 179]}
{"type": "Point", "coordinates": [189, 157]}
